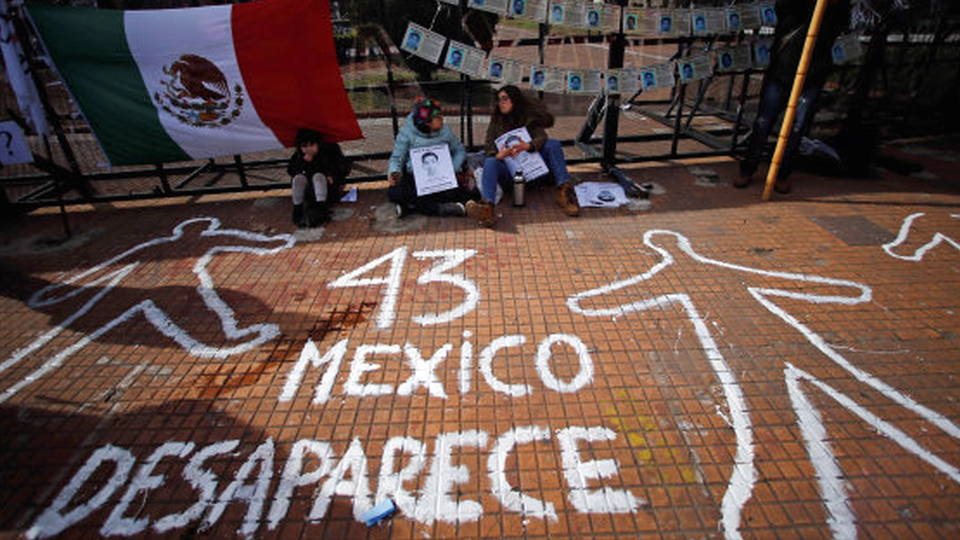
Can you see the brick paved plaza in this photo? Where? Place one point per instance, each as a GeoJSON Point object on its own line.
{"type": "Point", "coordinates": [707, 365]}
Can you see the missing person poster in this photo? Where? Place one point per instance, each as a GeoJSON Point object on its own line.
{"type": "Point", "coordinates": [530, 163]}
{"type": "Point", "coordinates": [566, 13]}
{"type": "Point", "coordinates": [749, 16]}
{"type": "Point", "coordinates": [583, 81]}
{"type": "Point", "coordinates": [707, 22]}
{"type": "Point", "coordinates": [694, 67]}
{"type": "Point", "coordinates": [504, 70]}
{"type": "Point", "coordinates": [768, 14]}
{"type": "Point", "coordinates": [423, 43]}
{"type": "Point", "coordinates": [731, 20]}
{"type": "Point", "coordinates": [622, 81]}
{"type": "Point", "coordinates": [662, 23]}
{"type": "Point", "coordinates": [547, 79]}
{"type": "Point", "coordinates": [535, 10]}
{"type": "Point", "coordinates": [761, 53]}
{"type": "Point", "coordinates": [593, 17]}
{"type": "Point", "coordinates": [493, 6]}
{"type": "Point", "coordinates": [657, 76]}
{"type": "Point", "coordinates": [612, 15]}
{"type": "Point", "coordinates": [465, 59]}
{"type": "Point", "coordinates": [634, 21]}
{"type": "Point", "coordinates": [432, 169]}
{"type": "Point", "coordinates": [733, 58]}
{"type": "Point", "coordinates": [846, 49]}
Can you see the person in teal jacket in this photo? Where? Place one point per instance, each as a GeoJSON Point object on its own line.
{"type": "Point", "coordinates": [424, 127]}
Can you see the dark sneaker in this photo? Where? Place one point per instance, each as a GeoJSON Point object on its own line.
{"type": "Point", "coordinates": [482, 211]}
{"type": "Point", "coordinates": [454, 209]}
{"type": "Point", "coordinates": [567, 200]}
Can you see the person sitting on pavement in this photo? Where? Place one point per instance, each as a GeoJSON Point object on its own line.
{"type": "Point", "coordinates": [317, 172]}
{"type": "Point", "coordinates": [424, 127]}
{"type": "Point", "coordinates": [514, 110]}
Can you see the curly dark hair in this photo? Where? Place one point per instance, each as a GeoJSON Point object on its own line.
{"type": "Point", "coordinates": [525, 111]}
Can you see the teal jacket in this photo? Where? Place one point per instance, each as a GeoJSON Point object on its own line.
{"type": "Point", "coordinates": [410, 137]}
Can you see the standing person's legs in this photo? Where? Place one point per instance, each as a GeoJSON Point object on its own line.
{"type": "Point", "coordinates": [773, 98]}
{"type": "Point", "coordinates": [806, 107]}
{"type": "Point", "coordinates": [552, 154]}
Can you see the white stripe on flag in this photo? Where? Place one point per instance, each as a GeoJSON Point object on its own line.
{"type": "Point", "coordinates": [157, 40]}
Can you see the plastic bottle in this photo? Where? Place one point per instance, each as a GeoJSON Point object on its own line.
{"type": "Point", "coordinates": [519, 184]}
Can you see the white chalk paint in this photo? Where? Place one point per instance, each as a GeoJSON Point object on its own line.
{"type": "Point", "coordinates": [346, 477]}
{"type": "Point", "coordinates": [143, 482]}
{"type": "Point", "coordinates": [424, 371]}
{"type": "Point", "coordinates": [744, 474]}
{"type": "Point", "coordinates": [450, 259]}
{"type": "Point", "coordinates": [390, 484]}
{"type": "Point", "coordinates": [310, 356]}
{"type": "Point", "coordinates": [53, 521]}
{"type": "Point", "coordinates": [509, 496]}
{"type": "Point", "coordinates": [293, 476]}
{"type": "Point", "coordinates": [486, 365]}
{"type": "Point", "coordinates": [354, 462]}
{"type": "Point", "coordinates": [833, 492]}
{"type": "Point", "coordinates": [578, 474]}
{"type": "Point", "coordinates": [254, 495]}
{"type": "Point", "coordinates": [359, 366]}
{"type": "Point", "coordinates": [388, 303]}
{"type": "Point", "coordinates": [100, 277]}
{"type": "Point", "coordinates": [583, 376]}
{"type": "Point", "coordinates": [203, 480]}
{"type": "Point", "coordinates": [435, 502]}
{"type": "Point", "coordinates": [466, 363]}
{"type": "Point", "coordinates": [903, 235]}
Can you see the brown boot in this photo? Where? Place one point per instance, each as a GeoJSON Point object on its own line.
{"type": "Point", "coordinates": [567, 199]}
{"type": "Point", "coordinates": [482, 211]}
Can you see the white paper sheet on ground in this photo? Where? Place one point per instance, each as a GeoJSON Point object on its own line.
{"type": "Point", "coordinates": [530, 163]}
{"type": "Point", "coordinates": [350, 196]}
{"type": "Point", "coordinates": [600, 194]}
{"type": "Point", "coordinates": [423, 43]}
{"type": "Point", "coordinates": [432, 169]}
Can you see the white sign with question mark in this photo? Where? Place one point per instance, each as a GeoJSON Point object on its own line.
{"type": "Point", "coordinates": [13, 145]}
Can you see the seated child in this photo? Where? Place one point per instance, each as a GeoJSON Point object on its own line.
{"type": "Point", "coordinates": [318, 171]}
{"type": "Point", "coordinates": [424, 127]}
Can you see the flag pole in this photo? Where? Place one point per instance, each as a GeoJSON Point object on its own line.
{"type": "Point", "coordinates": [791, 111]}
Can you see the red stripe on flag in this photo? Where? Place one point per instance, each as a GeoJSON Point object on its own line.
{"type": "Point", "coordinates": [289, 65]}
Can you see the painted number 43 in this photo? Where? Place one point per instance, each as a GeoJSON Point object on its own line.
{"type": "Point", "coordinates": [448, 259]}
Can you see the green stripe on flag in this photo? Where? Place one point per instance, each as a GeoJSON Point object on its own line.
{"type": "Point", "coordinates": [90, 50]}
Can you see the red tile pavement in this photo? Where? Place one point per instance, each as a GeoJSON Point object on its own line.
{"type": "Point", "coordinates": [712, 365]}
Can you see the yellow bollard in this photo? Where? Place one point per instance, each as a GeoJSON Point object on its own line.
{"type": "Point", "coordinates": [791, 111]}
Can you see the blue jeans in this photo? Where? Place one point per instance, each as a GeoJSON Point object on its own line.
{"type": "Point", "coordinates": [773, 101]}
{"type": "Point", "coordinates": [495, 171]}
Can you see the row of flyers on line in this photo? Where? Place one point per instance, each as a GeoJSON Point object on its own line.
{"type": "Point", "coordinates": [650, 21]}
{"type": "Point", "coordinates": [474, 62]}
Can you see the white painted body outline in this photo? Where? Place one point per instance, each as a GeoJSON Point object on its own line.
{"type": "Point", "coordinates": [744, 474]}
{"type": "Point", "coordinates": [254, 334]}
{"type": "Point", "coordinates": [919, 253]}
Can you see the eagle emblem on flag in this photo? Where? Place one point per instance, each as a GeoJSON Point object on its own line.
{"type": "Point", "coordinates": [196, 92]}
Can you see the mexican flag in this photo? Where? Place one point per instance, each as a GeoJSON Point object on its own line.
{"type": "Point", "coordinates": [180, 84]}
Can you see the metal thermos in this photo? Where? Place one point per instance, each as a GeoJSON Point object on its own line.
{"type": "Point", "coordinates": [518, 188]}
